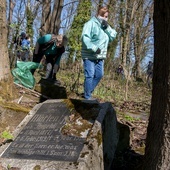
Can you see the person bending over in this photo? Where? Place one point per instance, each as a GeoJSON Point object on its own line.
{"type": "Point", "coordinates": [52, 47]}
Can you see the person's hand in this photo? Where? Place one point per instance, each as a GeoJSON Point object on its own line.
{"type": "Point", "coordinates": [104, 24]}
{"type": "Point", "coordinates": [98, 51]}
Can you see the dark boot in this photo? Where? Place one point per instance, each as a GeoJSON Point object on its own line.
{"type": "Point", "coordinates": [54, 76]}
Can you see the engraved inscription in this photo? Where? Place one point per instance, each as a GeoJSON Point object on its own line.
{"type": "Point", "coordinates": [41, 138]}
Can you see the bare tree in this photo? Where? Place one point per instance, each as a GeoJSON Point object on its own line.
{"type": "Point", "coordinates": [126, 17]}
{"type": "Point", "coordinates": [141, 31]}
{"type": "Point", "coordinates": [4, 64]}
{"type": "Point", "coordinates": [51, 15]}
{"type": "Point", "coordinates": [157, 151]}
{"type": "Point", "coordinates": [6, 82]}
{"type": "Point", "coordinates": [135, 23]}
{"type": "Point", "coordinates": [55, 16]}
{"type": "Point", "coordinates": [45, 20]}
{"type": "Point", "coordinates": [10, 13]}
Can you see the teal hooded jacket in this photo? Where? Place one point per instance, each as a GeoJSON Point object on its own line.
{"type": "Point", "coordinates": [94, 37]}
{"type": "Point", "coordinates": [46, 38]}
{"type": "Point", "coordinates": [53, 49]}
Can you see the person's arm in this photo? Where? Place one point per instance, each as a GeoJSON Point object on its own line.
{"type": "Point", "coordinates": [108, 30]}
{"type": "Point", "coordinates": [36, 48]}
{"type": "Point", "coordinates": [111, 33]}
{"type": "Point", "coordinates": [87, 37]}
{"type": "Point", "coordinates": [57, 58]}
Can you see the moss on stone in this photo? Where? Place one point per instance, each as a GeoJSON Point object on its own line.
{"type": "Point", "coordinates": [140, 150]}
{"type": "Point", "coordinates": [76, 123]}
{"type": "Point", "coordinates": [37, 167]}
{"type": "Point", "coordinates": [70, 105]}
{"type": "Point", "coordinates": [75, 129]}
{"type": "Point", "coordinates": [14, 106]}
{"type": "Point", "coordinates": [99, 138]}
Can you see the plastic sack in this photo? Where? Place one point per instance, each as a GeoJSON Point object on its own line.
{"type": "Point", "coordinates": [22, 73]}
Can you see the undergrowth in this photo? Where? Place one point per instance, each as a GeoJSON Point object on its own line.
{"type": "Point", "coordinates": [111, 88]}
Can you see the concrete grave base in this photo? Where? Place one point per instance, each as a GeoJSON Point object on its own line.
{"type": "Point", "coordinates": [96, 144]}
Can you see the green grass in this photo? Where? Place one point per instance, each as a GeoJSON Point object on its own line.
{"type": "Point", "coordinates": [6, 135]}
{"type": "Point", "coordinates": [131, 119]}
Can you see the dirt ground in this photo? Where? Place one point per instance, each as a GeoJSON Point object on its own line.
{"type": "Point", "coordinates": [138, 127]}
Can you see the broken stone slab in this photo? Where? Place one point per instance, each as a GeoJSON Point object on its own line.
{"type": "Point", "coordinates": [88, 144]}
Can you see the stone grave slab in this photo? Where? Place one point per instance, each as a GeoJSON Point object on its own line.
{"type": "Point", "coordinates": [41, 138]}
{"type": "Point", "coordinates": [40, 144]}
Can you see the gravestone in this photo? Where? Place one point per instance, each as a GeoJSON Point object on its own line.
{"type": "Point", "coordinates": [41, 138]}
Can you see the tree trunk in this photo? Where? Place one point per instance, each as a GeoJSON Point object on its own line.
{"type": "Point", "coordinates": [157, 155]}
{"type": "Point", "coordinates": [7, 89]}
{"type": "Point", "coordinates": [126, 19]}
{"type": "Point", "coordinates": [30, 19]}
{"type": "Point", "coordinates": [141, 33]}
{"type": "Point", "coordinates": [51, 18]}
{"type": "Point", "coordinates": [56, 15]}
{"type": "Point", "coordinates": [11, 9]}
{"type": "Point", "coordinates": [4, 64]}
{"type": "Point", "coordinates": [123, 20]}
{"type": "Point", "coordinates": [46, 14]}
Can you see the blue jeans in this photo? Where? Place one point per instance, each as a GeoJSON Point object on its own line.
{"type": "Point", "coordinates": [93, 72]}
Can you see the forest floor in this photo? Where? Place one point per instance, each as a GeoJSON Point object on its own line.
{"type": "Point", "coordinates": [133, 112]}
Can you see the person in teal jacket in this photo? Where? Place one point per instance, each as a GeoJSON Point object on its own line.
{"type": "Point", "coordinates": [52, 47]}
{"type": "Point", "coordinates": [96, 35]}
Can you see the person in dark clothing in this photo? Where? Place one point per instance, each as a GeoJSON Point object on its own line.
{"type": "Point", "coordinates": [149, 73]}
{"type": "Point", "coordinates": [119, 70]}
{"type": "Point", "coordinates": [18, 41]}
{"type": "Point", "coordinates": [150, 69]}
{"type": "Point", "coordinates": [52, 47]}
{"type": "Point", "coordinates": [25, 49]}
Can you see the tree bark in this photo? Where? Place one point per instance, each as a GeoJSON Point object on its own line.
{"type": "Point", "coordinates": [157, 151]}
{"type": "Point", "coordinates": [141, 29]}
{"type": "Point", "coordinates": [56, 15]}
{"type": "Point", "coordinates": [11, 9]}
{"type": "Point", "coordinates": [51, 18]}
{"type": "Point", "coordinates": [46, 14]}
{"type": "Point", "coordinates": [4, 64]}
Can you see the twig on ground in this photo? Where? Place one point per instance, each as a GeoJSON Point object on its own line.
{"type": "Point", "coordinates": [20, 99]}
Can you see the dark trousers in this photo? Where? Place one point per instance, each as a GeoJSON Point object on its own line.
{"type": "Point", "coordinates": [49, 59]}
